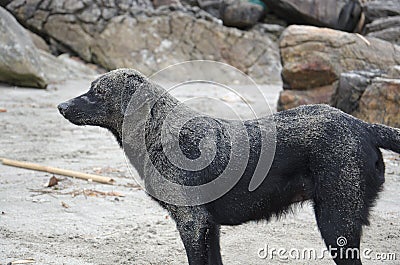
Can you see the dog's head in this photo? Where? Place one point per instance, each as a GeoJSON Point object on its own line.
{"type": "Point", "coordinates": [105, 102]}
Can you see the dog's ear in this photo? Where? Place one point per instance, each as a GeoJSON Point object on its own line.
{"type": "Point", "coordinates": [131, 84]}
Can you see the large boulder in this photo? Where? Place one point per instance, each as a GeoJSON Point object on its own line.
{"type": "Point", "coordinates": [148, 40]}
{"type": "Point", "coordinates": [315, 57]}
{"type": "Point", "coordinates": [23, 64]}
{"type": "Point", "coordinates": [19, 59]}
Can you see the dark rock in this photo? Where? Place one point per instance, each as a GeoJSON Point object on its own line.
{"type": "Point", "coordinates": [310, 12]}
{"type": "Point", "coordinates": [350, 88]}
{"type": "Point", "coordinates": [4, 3]}
{"type": "Point", "coordinates": [241, 14]}
{"type": "Point", "coordinates": [349, 16]}
{"type": "Point", "coordinates": [387, 28]}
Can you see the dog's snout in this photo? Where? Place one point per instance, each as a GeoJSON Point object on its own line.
{"type": "Point", "coordinates": [62, 107]}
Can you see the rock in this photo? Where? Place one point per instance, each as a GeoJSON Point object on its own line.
{"type": "Point", "coordinates": [387, 28]}
{"type": "Point", "coordinates": [311, 12]}
{"type": "Point", "coordinates": [153, 40]}
{"type": "Point", "coordinates": [350, 18]}
{"type": "Point", "coordinates": [241, 14]}
{"type": "Point", "coordinates": [19, 61]}
{"type": "Point", "coordinates": [39, 42]}
{"type": "Point", "coordinates": [292, 98]}
{"type": "Point", "coordinates": [63, 67]}
{"type": "Point", "coordinates": [4, 3]}
{"type": "Point", "coordinates": [394, 72]}
{"type": "Point", "coordinates": [371, 95]}
{"type": "Point", "coordinates": [375, 9]}
{"type": "Point", "coordinates": [315, 57]}
{"type": "Point", "coordinates": [158, 3]}
{"type": "Point", "coordinates": [210, 6]}
{"type": "Point", "coordinates": [380, 103]}
{"type": "Point", "coordinates": [351, 87]}
{"type": "Point", "coordinates": [273, 30]}
{"type": "Point", "coordinates": [22, 64]}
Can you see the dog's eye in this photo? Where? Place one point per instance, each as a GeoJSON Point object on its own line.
{"type": "Point", "coordinates": [100, 91]}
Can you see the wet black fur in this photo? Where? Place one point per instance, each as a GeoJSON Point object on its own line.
{"type": "Point", "coordinates": [322, 155]}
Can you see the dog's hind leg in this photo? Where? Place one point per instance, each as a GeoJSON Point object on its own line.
{"type": "Point", "coordinates": [341, 233]}
{"type": "Point", "coordinates": [340, 209]}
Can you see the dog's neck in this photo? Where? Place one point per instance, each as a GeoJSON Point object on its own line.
{"type": "Point", "coordinates": [147, 106]}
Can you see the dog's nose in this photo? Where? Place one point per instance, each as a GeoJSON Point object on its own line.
{"type": "Point", "coordinates": [62, 107]}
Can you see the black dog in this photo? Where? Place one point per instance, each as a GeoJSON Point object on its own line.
{"type": "Point", "coordinates": [322, 155]}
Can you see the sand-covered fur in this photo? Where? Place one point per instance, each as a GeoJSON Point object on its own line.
{"type": "Point", "coordinates": [322, 155]}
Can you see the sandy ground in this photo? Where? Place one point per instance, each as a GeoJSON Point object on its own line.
{"type": "Point", "coordinates": [131, 229]}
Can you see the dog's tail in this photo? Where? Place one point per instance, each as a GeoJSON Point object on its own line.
{"type": "Point", "coordinates": [387, 137]}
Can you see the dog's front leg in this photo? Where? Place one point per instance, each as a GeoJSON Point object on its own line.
{"type": "Point", "coordinates": [197, 233]}
{"type": "Point", "coordinates": [213, 247]}
{"type": "Point", "coordinates": [193, 236]}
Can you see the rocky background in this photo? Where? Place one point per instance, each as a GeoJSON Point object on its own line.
{"type": "Point", "coordinates": [344, 53]}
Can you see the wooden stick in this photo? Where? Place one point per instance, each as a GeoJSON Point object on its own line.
{"type": "Point", "coordinates": [58, 171]}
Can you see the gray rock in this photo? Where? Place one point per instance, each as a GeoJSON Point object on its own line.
{"type": "Point", "coordinates": [74, 5]}
{"type": "Point", "coordinates": [241, 14]}
{"type": "Point", "coordinates": [91, 14]}
{"type": "Point", "coordinates": [63, 67]}
{"type": "Point", "coordinates": [375, 9]}
{"type": "Point", "coordinates": [387, 28]}
{"type": "Point", "coordinates": [39, 42]}
{"type": "Point", "coordinates": [210, 6]}
{"type": "Point", "coordinates": [19, 61]}
{"type": "Point", "coordinates": [158, 3]}
{"type": "Point", "coordinates": [149, 40]}
{"type": "Point", "coordinates": [394, 72]}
